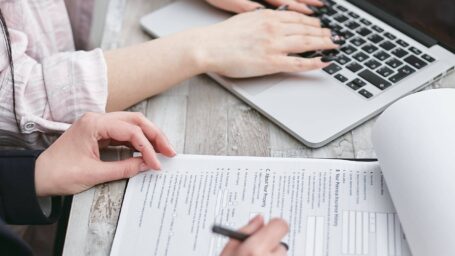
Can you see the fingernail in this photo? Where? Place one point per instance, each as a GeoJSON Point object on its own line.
{"type": "Point", "coordinates": [339, 42]}
{"type": "Point", "coordinates": [256, 218]}
{"type": "Point", "coordinates": [253, 219]}
{"type": "Point", "coordinates": [315, 10]}
{"type": "Point", "coordinates": [283, 7]}
{"type": "Point", "coordinates": [307, 54]}
{"type": "Point", "coordinates": [327, 58]}
{"type": "Point", "coordinates": [337, 39]}
{"type": "Point", "coordinates": [173, 150]}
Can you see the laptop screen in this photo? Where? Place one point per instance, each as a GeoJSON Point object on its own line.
{"type": "Point", "coordinates": [436, 18]}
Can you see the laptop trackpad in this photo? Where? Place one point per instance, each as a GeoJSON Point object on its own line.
{"type": "Point", "coordinates": [254, 86]}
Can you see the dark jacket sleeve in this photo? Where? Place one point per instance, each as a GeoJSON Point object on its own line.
{"type": "Point", "coordinates": [11, 244]}
{"type": "Point", "coordinates": [18, 201]}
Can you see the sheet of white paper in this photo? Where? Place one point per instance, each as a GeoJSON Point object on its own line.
{"type": "Point", "coordinates": [415, 143]}
{"type": "Point", "coordinates": [333, 207]}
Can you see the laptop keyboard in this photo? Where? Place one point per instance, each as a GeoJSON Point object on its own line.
{"type": "Point", "coordinates": [373, 56]}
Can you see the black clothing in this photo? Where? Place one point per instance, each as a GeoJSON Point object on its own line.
{"type": "Point", "coordinates": [18, 201]}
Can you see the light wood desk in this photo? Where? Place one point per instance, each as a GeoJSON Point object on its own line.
{"type": "Point", "coordinates": [199, 117]}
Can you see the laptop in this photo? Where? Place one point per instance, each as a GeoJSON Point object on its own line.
{"type": "Point", "coordinates": [393, 48]}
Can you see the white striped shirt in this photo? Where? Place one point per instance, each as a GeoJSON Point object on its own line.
{"type": "Point", "coordinates": [55, 84]}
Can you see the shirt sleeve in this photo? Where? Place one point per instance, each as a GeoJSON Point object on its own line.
{"type": "Point", "coordinates": [52, 92]}
{"type": "Point", "coordinates": [18, 201]}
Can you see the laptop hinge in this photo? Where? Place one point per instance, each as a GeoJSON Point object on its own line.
{"type": "Point", "coordinates": [395, 22]}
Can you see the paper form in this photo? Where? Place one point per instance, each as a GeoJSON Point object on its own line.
{"type": "Point", "coordinates": [333, 207]}
{"type": "Point", "coordinates": [414, 140]}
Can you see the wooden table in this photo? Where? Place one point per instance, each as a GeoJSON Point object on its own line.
{"type": "Point", "coordinates": [199, 117]}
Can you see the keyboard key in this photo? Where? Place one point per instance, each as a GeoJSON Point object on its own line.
{"type": "Point", "coordinates": [352, 25]}
{"type": "Point", "coordinates": [356, 84]}
{"type": "Point", "coordinates": [353, 15]}
{"type": "Point", "coordinates": [335, 27]}
{"type": "Point", "coordinates": [384, 71]}
{"type": "Point", "coordinates": [428, 58]}
{"type": "Point", "coordinates": [354, 66]}
{"type": "Point", "coordinates": [357, 41]}
{"type": "Point", "coordinates": [325, 22]}
{"type": "Point", "coordinates": [402, 73]}
{"type": "Point", "coordinates": [360, 56]}
{"type": "Point", "coordinates": [375, 38]}
{"type": "Point", "coordinates": [329, 3]}
{"type": "Point", "coordinates": [316, 11]}
{"type": "Point", "coordinates": [366, 93]}
{"type": "Point", "coordinates": [402, 43]}
{"type": "Point", "coordinates": [387, 45]}
{"type": "Point", "coordinates": [372, 64]}
{"type": "Point", "coordinates": [330, 11]}
{"type": "Point", "coordinates": [346, 33]}
{"type": "Point", "coordinates": [369, 48]}
{"type": "Point", "coordinates": [406, 69]}
{"type": "Point", "coordinates": [377, 29]}
{"type": "Point", "coordinates": [399, 52]}
{"type": "Point", "coordinates": [415, 61]}
{"type": "Point", "coordinates": [381, 55]}
{"type": "Point", "coordinates": [394, 63]}
{"type": "Point", "coordinates": [374, 79]}
{"type": "Point", "coordinates": [343, 59]}
{"type": "Point", "coordinates": [340, 18]}
{"type": "Point", "coordinates": [341, 8]}
{"type": "Point", "coordinates": [363, 31]}
{"type": "Point", "coordinates": [389, 36]}
{"type": "Point", "coordinates": [341, 78]}
{"type": "Point", "coordinates": [324, 10]}
{"type": "Point", "coordinates": [332, 68]}
{"type": "Point", "coordinates": [320, 11]}
{"type": "Point", "coordinates": [415, 50]}
{"type": "Point", "coordinates": [365, 22]}
{"type": "Point", "coordinates": [348, 49]}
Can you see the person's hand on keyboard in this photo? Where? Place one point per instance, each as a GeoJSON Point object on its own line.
{"type": "Point", "coordinates": [239, 6]}
{"type": "Point", "coordinates": [261, 43]}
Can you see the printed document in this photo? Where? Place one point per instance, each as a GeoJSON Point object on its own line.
{"type": "Point", "coordinates": [333, 207]}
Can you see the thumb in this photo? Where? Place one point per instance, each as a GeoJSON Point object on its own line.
{"type": "Point", "coordinates": [117, 170]}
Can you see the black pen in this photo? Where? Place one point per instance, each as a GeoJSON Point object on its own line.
{"type": "Point", "coordinates": [236, 235]}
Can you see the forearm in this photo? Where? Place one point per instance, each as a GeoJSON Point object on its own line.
{"type": "Point", "coordinates": [141, 71]}
{"type": "Point", "coordinates": [246, 45]}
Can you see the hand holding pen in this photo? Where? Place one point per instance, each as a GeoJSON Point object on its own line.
{"type": "Point", "coordinates": [263, 239]}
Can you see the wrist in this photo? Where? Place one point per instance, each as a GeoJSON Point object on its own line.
{"type": "Point", "coordinates": [41, 180]}
{"type": "Point", "coordinates": [198, 50]}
